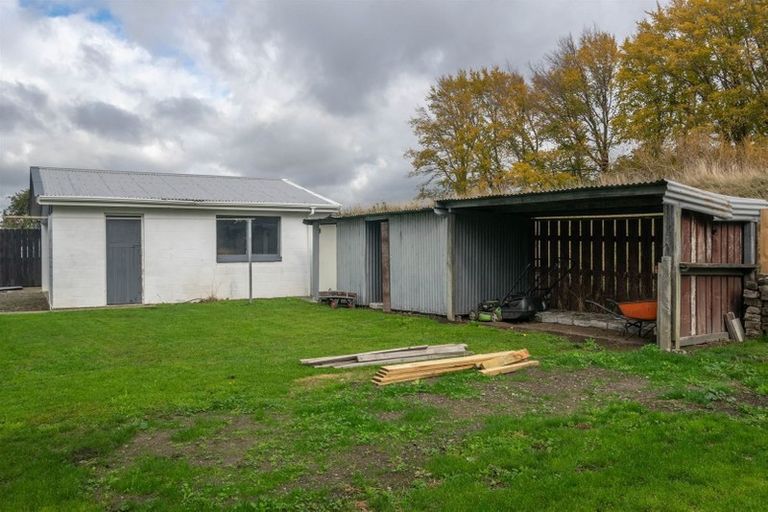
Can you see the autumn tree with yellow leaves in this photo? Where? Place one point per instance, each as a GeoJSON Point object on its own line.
{"type": "Point", "coordinates": [692, 67]}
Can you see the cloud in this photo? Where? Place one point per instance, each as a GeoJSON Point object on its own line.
{"type": "Point", "coordinates": [185, 111]}
{"type": "Point", "coordinates": [109, 121]}
{"type": "Point", "coordinates": [318, 92]}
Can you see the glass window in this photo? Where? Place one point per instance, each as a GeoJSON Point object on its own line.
{"type": "Point", "coordinates": [265, 236]}
{"type": "Point", "coordinates": [232, 239]}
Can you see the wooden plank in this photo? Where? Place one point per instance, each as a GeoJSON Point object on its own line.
{"type": "Point", "coordinates": [738, 244]}
{"type": "Point", "coordinates": [702, 299]}
{"type": "Point", "coordinates": [554, 253]}
{"type": "Point", "coordinates": [326, 359]}
{"type": "Point", "coordinates": [431, 349]}
{"type": "Point", "coordinates": [664, 305]}
{"type": "Point", "coordinates": [586, 259]}
{"type": "Point", "coordinates": [502, 360]}
{"type": "Point", "coordinates": [749, 237]}
{"type": "Point", "coordinates": [734, 327]}
{"type": "Point", "coordinates": [687, 237]}
{"type": "Point", "coordinates": [686, 299]}
{"type": "Point", "coordinates": [703, 338]}
{"type": "Point", "coordinates": [646, 258]}
{"type": "Point", "coordinates": [607, 246]}
{"type": "Point", "coordinates": [404, 359]}
{"type": "Point", "coordinates": [622, 290]}
{"type": "Point", "coordinates": [671, 244]}
{"type": "Point", "coordinates": [423, 375]}
{"type": "Point", "coordinates": [509, 368]}
{"type": "Point", "coordinates": [598, 255]}
{"type": "Point", "coordinates": [718, 308]}
{"type": "Point", "coordinates": [574, 254]}
{"type": "Point", "coordinates": [762, 242]}
{"type": "Point", "coordinates": [454, 361]}
{"type": "Point", "coordinates": [633, 259]}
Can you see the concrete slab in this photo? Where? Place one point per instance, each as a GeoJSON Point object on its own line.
{"type": "Point", "coordinates": [26, 299]}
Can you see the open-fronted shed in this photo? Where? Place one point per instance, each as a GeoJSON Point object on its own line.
{"type": "Point", "coordinates": [687, 249]}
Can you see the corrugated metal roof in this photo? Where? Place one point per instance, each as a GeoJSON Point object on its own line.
{"type": "Point", "coordinates": [554, 190]}
{"type": "Point", "coordinates": [54, 183]}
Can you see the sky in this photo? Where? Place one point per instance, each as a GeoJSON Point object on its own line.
{"type": "Point", "coordinates": [319, 92]}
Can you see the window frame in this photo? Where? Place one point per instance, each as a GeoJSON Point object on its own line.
{"type": "Point", "coordinates": [255, 258]}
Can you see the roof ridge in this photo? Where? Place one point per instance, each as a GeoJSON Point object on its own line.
{"type": "Point", "coordinates": [286, 180]}
{"type": "Point", "coordinates": [154, 173]}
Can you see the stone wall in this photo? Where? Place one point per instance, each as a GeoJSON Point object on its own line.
{"type": "Point", "coordinates": [756, 306]}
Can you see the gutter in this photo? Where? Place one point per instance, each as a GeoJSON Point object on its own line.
{"type": "Point", "coordinates": [209, 205]}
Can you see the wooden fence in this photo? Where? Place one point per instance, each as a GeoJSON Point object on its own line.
{"type": "Point", "coordinates": [20, 262]}
{"type": "Point", "coordinates": [611, 257]}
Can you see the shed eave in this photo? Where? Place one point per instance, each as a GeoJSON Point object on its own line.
{"type": "Point", "coordinates": [651, 191]}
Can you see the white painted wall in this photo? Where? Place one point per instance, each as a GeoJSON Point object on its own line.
{"type": "Point", "coordinates": [327, 257]}
{"type": "Point", "coordinates": [179, 258]}
{"type": "Point", "coordinates": [79, 271]}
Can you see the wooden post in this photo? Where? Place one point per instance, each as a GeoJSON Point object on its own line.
{"type": "Point", "coordinates": [762, 244]}
{"type": "Point", "coordinates": [671, 246]}
{"type": "Point", "coordinates": [386, 296]}
{"type": "Point", "coordinates": [664, 304]}
{"type": "Point", "coordinates": [315, 263]}
{"type": "Point", "coordinates": [450, 313]}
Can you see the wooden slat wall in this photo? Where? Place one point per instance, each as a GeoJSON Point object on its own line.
{"type": "Point", "coordinates": [706, 298]}
{"type": "Point", "coordinates": [613, 258]}
{"type": "Point", "coordinates": [20, 262]}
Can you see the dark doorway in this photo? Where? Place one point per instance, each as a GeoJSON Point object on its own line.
{"type": "Point", "coordinates": [377, 263]}
{"type": "Point", "coordinates": [123, 260]}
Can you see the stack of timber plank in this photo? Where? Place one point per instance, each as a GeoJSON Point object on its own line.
{"type": "Point", "coordinates": [494, 363]}
{"type": "Point", "coordinates": [391, 356]}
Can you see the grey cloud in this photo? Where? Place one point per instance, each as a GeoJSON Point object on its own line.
{"type": "Point", "coordinates": [356, 48]}
{"type": "Point", "coordinates": [343, 55]}
{"type": "Point", "coordinates": [109, 121]}
{"type": "Point", "coordinates": [10, 116]}
{"type": "Point", "coordinates": [20, 106]}
{"type": "Point", "coordinates": [95, 58]}
{"type": "Point", "coordinates": [293, 149]}
{"type": "Point", "coordinates": [184, 110]}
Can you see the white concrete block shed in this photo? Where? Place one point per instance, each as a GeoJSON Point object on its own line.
{"type": "Point", "coordinates": [119, 237]}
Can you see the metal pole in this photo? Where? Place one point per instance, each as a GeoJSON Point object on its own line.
{"type": "Point", "coordinates": [250, 263]}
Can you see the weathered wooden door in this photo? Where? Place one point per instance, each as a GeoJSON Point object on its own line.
{"type": "Point", "coordinates": [123, 260]}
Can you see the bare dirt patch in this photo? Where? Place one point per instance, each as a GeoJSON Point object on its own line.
{"type": "Point", "coordinates": [314, 381]}
{"type": "Point", "coordinates": [338, 470]}
{"type": "Point", "coordinates": [227, 445]}
{"type": "Point", "coordinates": [564, 391]}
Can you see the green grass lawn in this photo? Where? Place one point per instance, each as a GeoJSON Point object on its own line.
{"type": "Point", "coordinates": [205, 407]}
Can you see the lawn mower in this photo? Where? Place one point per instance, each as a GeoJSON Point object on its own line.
{"type": "Point", "coordinates": [528, 296]}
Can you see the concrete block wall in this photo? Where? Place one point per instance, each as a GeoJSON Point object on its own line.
{"type": "Point", "coordinates": [756, 305]}
{"type": "Point", "coordinates": [178, 258]}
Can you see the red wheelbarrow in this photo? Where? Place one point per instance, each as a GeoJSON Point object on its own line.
{"type": "Point", "coordinates": [639, 314]}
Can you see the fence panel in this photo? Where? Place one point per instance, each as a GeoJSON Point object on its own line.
{"type": "Point", "coordinates": [20, 257]}
{"type": "Point", "coordinates": [612, 257]}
